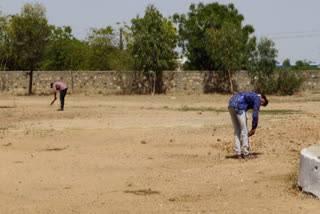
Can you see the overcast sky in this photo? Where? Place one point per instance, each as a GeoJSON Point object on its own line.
{"type": "Point", "coordinates": [294, 25]}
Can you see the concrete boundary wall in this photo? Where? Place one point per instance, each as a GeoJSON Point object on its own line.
{"type": "Point", "coordinates": [113, 82]}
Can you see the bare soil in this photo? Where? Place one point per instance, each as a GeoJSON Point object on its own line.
{"type": "Point", "coordinates": [151, 154]}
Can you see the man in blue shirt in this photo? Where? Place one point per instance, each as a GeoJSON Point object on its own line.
{"type": "Point", "coordinates": [239, 104]}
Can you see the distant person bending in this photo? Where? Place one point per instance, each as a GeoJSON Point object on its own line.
{"type": "Point", "coordinates": [62, 88]}
{"type": "Point", "coordinates": [239, 104]}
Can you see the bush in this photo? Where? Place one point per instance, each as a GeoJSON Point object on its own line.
{"type": "Point", "coordinates": [288, 82]}
{"type": "Point", "coordinates": [283, 82]}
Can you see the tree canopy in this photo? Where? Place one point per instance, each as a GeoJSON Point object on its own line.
{"type": "Point", "coordinates": [64, 51]}
{"type": "Point", "coordinates": [6, 53]}
{"type": "Point", "coordinates": [225, 49]}
{"type": "Point", "coordinates": [262, 65]}
{"type": "Point", "coordinates": [30, 34]}
{"type": "Point", "coordinates": [194, 27]}
{"type": "Point", "coordinates": [152, 46]}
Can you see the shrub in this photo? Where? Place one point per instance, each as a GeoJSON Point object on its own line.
{"type": "Point", "coordinates": [283, 82]}
{"type": "Point", "coordinates": [288, 82]}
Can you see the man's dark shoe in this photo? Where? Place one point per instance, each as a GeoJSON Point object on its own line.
{"type": "Point", "coordinates": [60, 109]}
{"type": "Point", "coordinates": [249, 157]}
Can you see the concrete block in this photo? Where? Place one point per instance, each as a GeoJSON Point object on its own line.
{"type": "Point", "coordinates": [309, 173]}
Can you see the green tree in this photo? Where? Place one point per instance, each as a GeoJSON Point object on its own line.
{"type": "Point", "coordinates": [8, 58]}
{"type": "Point", "coordinates": [286, 64]}
{"type": "Point", "coordinates": [30, 33]}
{"type": "Point", "coordinates": [262, 66]}
{"type": "Point", "coordinates": [303, 65]}
{"type": "Point", "coordinates": [299, 64]}
{"type": "Point", "coordinates": [193, 30]}
{"type": "Point", "coordinates": [105, 52]}
{"type": "Point", "coordinates": [4, 52]}
{"type": "Point", "coordinates": [153, 43]}
{"type": "Point", "coordinates": [101, 45]}
{"type": "Point", "coordinates": [120, 58]}
{"type": "Point", "coordinates": [64, 51]}
{"type": "Point", "coordinates": [225, 46]}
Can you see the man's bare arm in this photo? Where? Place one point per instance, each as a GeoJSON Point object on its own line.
{"type": "Point", "coordinates": [54, 98]}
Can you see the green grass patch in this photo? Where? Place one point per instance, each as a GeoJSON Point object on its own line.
{"type": "Point", "coordinates": [221, 110]}
{"type": "Point", "coordinates": [292, 180]}
{"type": "Point", "coordinates": [280, 112]}
{"type": "Point", "coordinates": [7, 106]}
{"type": "Point", "coordinates": [147, 108]}
{"type": "Point", "coordinates": [188, 108]}
{"type": "Point", "coordinates": [142, 192]}
{"type": "Point", "coordinates": [56, 148]}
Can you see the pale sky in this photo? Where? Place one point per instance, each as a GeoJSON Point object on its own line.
{"type": "Point", "coordinates": [294, 25]}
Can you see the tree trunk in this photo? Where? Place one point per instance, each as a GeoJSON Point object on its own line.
{"type": "Point", "coordinates": [5, 65]}
{"type": "Point", "coordinates": [230, 80]}
{"type": "Point", "coordinates": [30, 81]}
{"type": "Point", "coordinates": [154, 85]}
{"type": "Point", "coordinates": [2, 67]}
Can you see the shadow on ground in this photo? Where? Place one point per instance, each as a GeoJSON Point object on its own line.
{"type": "Point", "coordinates": [254, 154]}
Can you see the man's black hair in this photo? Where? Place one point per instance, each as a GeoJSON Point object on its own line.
{"type": "Point", "coordinates": [266, 100]}
{"type": "Point", "coordinates": [51, 85]}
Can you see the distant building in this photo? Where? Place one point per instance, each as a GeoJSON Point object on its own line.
{"type": "Point", "coordinates": [315, 64]}
{"type": "Point", "coordinates": [181, 62]}
{"type": "Point", "coordinates": [280, 65]}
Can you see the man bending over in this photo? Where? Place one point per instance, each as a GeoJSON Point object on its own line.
{"type": "Point", "coordinates": [239, 104]}
{"type": "Point", "coordinates": [62, 88]}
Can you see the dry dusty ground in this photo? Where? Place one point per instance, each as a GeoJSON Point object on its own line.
{"type": "Point", "coordinates": [144, 154]}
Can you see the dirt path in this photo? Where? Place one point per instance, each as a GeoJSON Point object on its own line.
{"type": "Point", "coordinates": [144, 154]}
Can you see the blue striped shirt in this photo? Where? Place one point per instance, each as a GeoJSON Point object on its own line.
{"type": "Point", "coordinates": [245, 101]}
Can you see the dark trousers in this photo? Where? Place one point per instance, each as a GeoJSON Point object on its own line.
{"type": "Point", "coordinates": [63, 94]}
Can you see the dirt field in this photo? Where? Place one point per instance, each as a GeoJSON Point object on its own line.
{"type": "Point", "coordinates": [144, 154]}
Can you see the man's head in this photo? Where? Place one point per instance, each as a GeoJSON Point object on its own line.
{"type": "Point", "coordinates": [264, 100]}
{"type": "Point", "coordinates": [51, 85]}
